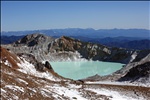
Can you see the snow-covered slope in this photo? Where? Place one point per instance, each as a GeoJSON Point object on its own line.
{"type": "Point", "coordinates": [20, 80]}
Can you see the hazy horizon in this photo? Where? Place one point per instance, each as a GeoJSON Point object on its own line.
{"type": "Point", "coordinates": [43, 15]}
{"type": "Point", "coordinates": [79, 28]}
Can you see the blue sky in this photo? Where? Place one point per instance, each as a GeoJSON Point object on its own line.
{"type": "Point", "coordinates": [33, 15]}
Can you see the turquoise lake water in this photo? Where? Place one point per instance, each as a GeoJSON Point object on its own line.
{"type": "Point", "coordinates": [83, 69]}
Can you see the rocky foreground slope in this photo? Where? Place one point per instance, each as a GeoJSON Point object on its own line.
{"type": "Point", "coordinates": [68, 49]}
{"type": "Point", "coordinates": [23, 77]}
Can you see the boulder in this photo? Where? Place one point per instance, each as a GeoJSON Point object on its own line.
{"type": "Point", "coordinates": [47, 65]}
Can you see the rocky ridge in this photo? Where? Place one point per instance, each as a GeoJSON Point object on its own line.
{"type": "Point", "coordinates": [69, 49]}
{"type": "Point", "coordinates": [134, 73]}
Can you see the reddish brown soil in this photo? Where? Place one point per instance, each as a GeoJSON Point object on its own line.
{"type": "Point", "coordinates": [11, 57]}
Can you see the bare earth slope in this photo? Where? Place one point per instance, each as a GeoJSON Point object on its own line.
{"type": "Point", "coordinates": [21, 79]}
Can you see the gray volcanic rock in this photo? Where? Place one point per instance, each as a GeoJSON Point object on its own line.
{"type": "Point", "coordinates": [135, 72]}
{"type": "Point", "coordinates": [47, 65]}
{"type": "Point", "coordinates": [91, 51]}
{"type": "Point", "coordinates": [87, 50]}
{"type": "Point", "coordinates": [127, 67]}
{"type": "Point", "coordinates": [38, 65]}
{"type": "Point", "coordinates": [138, 72]}
{"type": "Point", "coordinates": [46, 48]}
{"type": "Point", "coordinates": [33, 39]}
{"type": "Point", "coordinates": [141, 55]}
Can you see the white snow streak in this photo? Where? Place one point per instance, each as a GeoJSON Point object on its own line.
{"type": "Point", "coordinates": [16, 88]}
{"type": "Point", "coordinates": [3, 91]}
{"type": "Point", "coordinates": [126, 83]}
{"type": "Point", "coordinates": [112, 94]}
{"type": "Point", "coordinates": [28, 68]}
{"type": "Point", "coordinates": [21, 80]}
{"type": "Point", "coordinates": [68, 92]}
{"type": "Point", "coordinates": [7, 63]}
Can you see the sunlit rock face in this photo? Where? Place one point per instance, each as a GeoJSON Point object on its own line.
{"type": "Point", "coordinates": [68, 49]}
{"type": "Point", "coordinates": [137, 71]}
{"type": "Point", "coordinates": [134, 72]}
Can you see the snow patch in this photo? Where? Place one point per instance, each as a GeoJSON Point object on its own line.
{"type": "Point", "coordinates": [3, 91]}
{"type": "Point", "coordinates": [14, 97]}
{"type": "Point", "coordinates": [126, 83]}
{"type": "Point", "coordinates": [16, 88]}
{"type": "Point", "coordinates": [45, 92]}
{"type": "Point", "coordinates": [112, 94]}
{"type": "Point", "coordinates": [68, 92]}
{"type": "Point", "coordinates": [32, 89]}
{"type": "Point", "coordinates": [9, 73]}
{"type": "Point", "coordinates": [7, 63]}
{"type": "Point", "coordinates": [28, 68]}
{"type": "Point", "coordinates": [21, 80]}
{"type": "Point", "coordinates": [73, 86]}
{"type": "Point", "coordinates": [133, 56]}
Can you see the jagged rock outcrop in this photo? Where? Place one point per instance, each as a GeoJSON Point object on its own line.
{"type": "Point", "coordinates": [141, 55]}
{"type": "Point", "coordinates": [135, 72]}
{"type": "Point", "coordinates": [39, 66]}
{"type": "Point", "coordinates": [138, 73]}
{"type": "Point", "coordinates": [47, 65]}
{"type": "Point", "coordinates": [127, 67]}
{"type": "Point", "coordinates": [65, 48]}
{"type": "Point", "coordinates": [33, 39]}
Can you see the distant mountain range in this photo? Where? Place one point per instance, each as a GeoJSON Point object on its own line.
{"type": "Point", "coordinates": [89, 32]}
{"type": "Point", "coordinates": [124, 38]}
{"type": "Point", "coordinates": [10, 39]}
